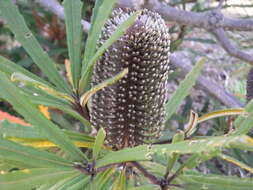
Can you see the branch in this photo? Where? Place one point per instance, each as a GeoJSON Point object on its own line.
{"type": "Point", "coordinates": [148, 175]}
{"type": "Point", "coordinates": [55, 7]}
{"type": "Point", "coordinates": [211, 87]}
{"type": "Point", "coordinates": [209, 19]}
{"type": "Point", "coordinates": [229, 47]}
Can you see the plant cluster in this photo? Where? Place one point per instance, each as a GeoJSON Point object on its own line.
{"type": "Point", "coordinates": [48, 152]}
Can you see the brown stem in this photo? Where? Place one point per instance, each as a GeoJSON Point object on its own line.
{"type": "Point", "coordinates": [148, 175]}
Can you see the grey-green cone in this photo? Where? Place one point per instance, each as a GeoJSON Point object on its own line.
{"type": "Point", "coordinates": [250, 85]}
{"type": "Point", "coordinates": [132, 110]}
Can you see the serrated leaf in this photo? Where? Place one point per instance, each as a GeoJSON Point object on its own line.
{"type": "Point", "coordinates": [98, 143]}
{"type": "Point", "coordinates": [22, 33]}
{"type": "Point", "coordinates": [184, 89]}
{"type": "Point", "coordinates": [22, 104]}
{"type": "Point", "coordinates": [73, 10]}
{"type": "Point", "coordinates": [86, 74]}
{"type": "Point", "coordinates": [30, 178]}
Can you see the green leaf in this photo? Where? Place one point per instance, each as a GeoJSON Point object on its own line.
{"type": "Point", "coordinates": [100, 13]}
{"type": "Point", "coordinates": [146, 187]}
{"type": "Point", "coordinates": [120, 181]}
{"type": "Point", "coordinates": [205, 145]}
{"type": "Point", "coordinates": [8, 130]}
{"type": "Point", "coordinates": [37, 158]}
{"type": "Point", "coordinates": [31, 178]}
{"type": "Point", "coordinates": [21, 104]}
{"type": "Point", "coordinates": [236, 162]}
{"type": "Point", "coordinates": [172, 159]}
{"type": "Point", "coordinates": [19, 77]}
{"type": "Point", "coordinates": [9, 67]}
{"type": "Point", "coordinates": [194, 180]}
{"type": "Point", "coordinates": [240, 119]}
{"type": "Point", "coordinates": [103, 177]}
{"type": "Point", "coordinates": [22, 33]}
{"type": "Point", "coordinates": [184, 89]}
{"type": "Point", "coordinates": [98, 143]}
{"type": "Point", "coordinates": [244, 124]}
{"type": "Point", "coordinates": [114, 37]}
{"type": "Point", "coordinates": [85, 97]}
{"type": "Point", "coordinates": [39, 97]}
{"type": "Point", "coordinates": [80, 185]}
{"type": "Point", "coordinates": [72, 10]}
{"type": "Point", "coordinates": [66, 183]}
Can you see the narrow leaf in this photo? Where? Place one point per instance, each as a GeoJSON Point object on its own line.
{"type": "Point", "coordinates": [103, 177]}
{"type": "Point", "coordinates": [146, 187]}
{"type": "Point", "coordinates": [216, 182]}
{"type": "Point", "coordinates": [80, 185]}
{"type": "Point", "coordinates": [85, 97]}
{"type": "Point", "coordinates": [120, 182]}
{"type": "Point", "coordinates": [114, 37]}
{"type": "Point", "coordinates": [98, 143]}
{"type": "Point", "coordinates": [205, 145]}
{"type": "Point", "coordinates": [31, 178]}
{"type": "Point", "coordinates": [172, 159]}
{"type": "Point", "coordinates": [236, 162]}
{"type": "Point", "coordinates": [190, 127]}
{"type": "Point", "coordinates": [241, 118]}
{"type": "Point", "coordinates": [221, 113]}
{"type": "Point", "coordinates": [72, 10]}
{"type": "Point", "coordinates": [37, 158]}
{"type": "Point", "coordinates": [9, 67]}
{"type": "Point", "coordinates": [23, 105]}
{"type": "Point", "coordinates": [100, 13]}
{"type": "Point", "coordinates": [22, 33]}
{"type": "Point", "coordinates": [244, 125]}
{"type": "Point", "coordinates": [184, 89]}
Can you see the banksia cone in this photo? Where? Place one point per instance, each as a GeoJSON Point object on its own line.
{"type": "Point", "coordinates": [132, 110]}
{"type": "Point", "coordinates": [250, 85]}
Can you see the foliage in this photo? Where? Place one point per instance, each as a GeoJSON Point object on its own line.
{"type": "Point", "coordinates": [49, 153]}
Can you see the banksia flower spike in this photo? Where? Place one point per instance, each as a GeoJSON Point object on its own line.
{"type": "Point", "coordinates": [132, 110]}
{"type": "Point", "coordinates": [250, 85]}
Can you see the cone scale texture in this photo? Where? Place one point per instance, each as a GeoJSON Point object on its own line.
{"type": "Point", "coordinates": [132, 110]}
